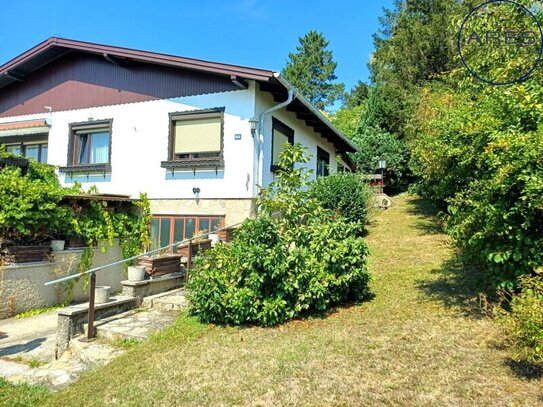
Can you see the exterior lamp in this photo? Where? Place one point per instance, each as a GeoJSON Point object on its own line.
{"type": "Point", "coordinates": [254, 124]}
{"type": "Point", "coordinates": [382, 164]}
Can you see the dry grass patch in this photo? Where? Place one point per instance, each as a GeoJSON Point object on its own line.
{"type": "Point", "coordinates": [416, 343]}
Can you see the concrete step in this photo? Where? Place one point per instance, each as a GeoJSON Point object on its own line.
{"type": "Point", "coordinates": [173, 300]}
{"type": "Point", "coordinates": [136, 324]}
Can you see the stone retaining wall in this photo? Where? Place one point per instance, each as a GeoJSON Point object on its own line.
{"type": "Point", "coordinates": [22, 285]}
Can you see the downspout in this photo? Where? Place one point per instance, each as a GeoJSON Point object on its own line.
{"type": "Point", "coordinates": [260, 141]}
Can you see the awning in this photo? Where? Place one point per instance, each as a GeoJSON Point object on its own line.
{"type": "Point", "coordinates": [24, 128]}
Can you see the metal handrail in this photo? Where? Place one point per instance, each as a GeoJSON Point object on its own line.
{"type": "Point", "coordinates": [115, 263]}
{"type": "Point", "coordinates": [92, 272]}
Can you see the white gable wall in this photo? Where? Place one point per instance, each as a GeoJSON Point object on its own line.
{"type": "Point", "coordinates": [303, 134]}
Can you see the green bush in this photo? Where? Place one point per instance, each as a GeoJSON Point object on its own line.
{"type": "Point", "coordinates": [477, 153]}
{"type": "Point", "coordinates": [524, 324]}
{"type": "Point", "coordinates": [293, 259]}
{"type": "Point", "coordinates": [29, 205]}
{"type": "Point", "coordinates": [345, 194]}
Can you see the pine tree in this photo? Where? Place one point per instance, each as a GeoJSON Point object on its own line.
{"type": "Point", "coordinates": [311, 70]}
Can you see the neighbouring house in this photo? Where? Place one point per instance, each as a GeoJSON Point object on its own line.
{"type": "Point", "coordinates": [198, 137]}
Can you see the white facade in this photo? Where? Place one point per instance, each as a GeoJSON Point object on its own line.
{"type": "Point", "coordinates": [139, 142]}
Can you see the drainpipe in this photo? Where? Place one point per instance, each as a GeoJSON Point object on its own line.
{"type": "Point", "coordinates": [260, 141]}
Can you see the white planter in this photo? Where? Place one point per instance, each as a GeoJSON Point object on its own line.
{"type": "Point", "coordinates": [136, 273]}
{"type": "Point", "coordinates": [215, 238]}
{"type": "Point", "coordinates": [57, 245]}
{"type": "Point", "coordinates": [101, 295]}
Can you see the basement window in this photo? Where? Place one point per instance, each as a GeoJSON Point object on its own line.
{"type": "Point", "coordinates": [169, 229]}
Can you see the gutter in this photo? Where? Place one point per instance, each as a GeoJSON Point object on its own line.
{"type": "Point", "coordinates": [292, 94]}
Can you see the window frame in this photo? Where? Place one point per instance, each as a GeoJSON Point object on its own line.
{"type": "Point", "coordinates": [72, 144]}
{"type": "Point", "coordinates": [191, 115]}
{"type": "Point", "coordinates": [287, 131]}
{"type": "Point", "coordinates": [23, 143]}
{"type": "Point", "coordinates": [173, 218]}
{"type": "Point", "coordinates": [322, 153]}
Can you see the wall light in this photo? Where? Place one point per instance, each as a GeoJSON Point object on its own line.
{"type": "Point", "coordinates": [254, 124]}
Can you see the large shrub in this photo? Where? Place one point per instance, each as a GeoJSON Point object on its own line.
{"type": "Point", "coordinates": [346, 194]}
{"type": "Point", "coordinates": [293, 259]}
{"type": "Point", "coordinates": [29, 204]}
{"type": "Point", "coordinates": [477, 153]}
{"type": "Point", "coordinates": [524, 323]}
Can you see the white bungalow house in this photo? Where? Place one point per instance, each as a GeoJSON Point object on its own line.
{"type": "Point", "coordinates": [198, 137]}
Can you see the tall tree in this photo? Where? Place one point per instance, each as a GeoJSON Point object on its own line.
{"type": "Point", "coordinates": [357, 95]}
{"type": "Point", "coordinates": [311, 70]}
{"type": "Point", "coordinates": [415, 41]}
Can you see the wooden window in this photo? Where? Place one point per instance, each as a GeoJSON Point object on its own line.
{"type": "Point", "coordinates": [90, 144]}
{"type": "Point", "coordinates": [196, 135]}
{"type": "Point", "coordinates": [35, 150]}
{"type": "Point", "coordinates": [168, 229]}
{"type": "Point", "coordinates": [323, 163]}
{"type": "Point", "coordinates": [281, 135]}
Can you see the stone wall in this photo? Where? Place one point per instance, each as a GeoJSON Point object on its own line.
{"type": "Point", "coordinates": [235, 210]}
{"type": "Point", "coordinates": [22, 285]}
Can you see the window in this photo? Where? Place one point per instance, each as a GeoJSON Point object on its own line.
{"type": "Point", "coordinates": [323, 162]}
{"type": "Point", "coordinates": [281, 134]}
{"type": "Point", "coordinates": [196, 135]}
{"type": "Point", "coordinates": [35, 150]}
{"type": "Point", "coordinates": [168, 229]}
{"type": "Point", "coordinates": [90, 144]}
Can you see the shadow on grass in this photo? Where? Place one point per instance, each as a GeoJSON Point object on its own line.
{"type": "Point", "coordinates": [525, 370]}
{"type": "Point", "coordinates": [457, 285]}
{"type": "Point", "coordinates": [427, 214]}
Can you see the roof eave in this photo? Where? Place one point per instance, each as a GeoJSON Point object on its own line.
{"type": "Point", "coordinates": [283, 81]}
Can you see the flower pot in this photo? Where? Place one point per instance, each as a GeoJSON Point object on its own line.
{"type": "Point", "coordinates": [215, 238]}
{"type": "Point", "coordinates": [101, 294]}
{"type": "Point", "coordinates": [57, 245]}
{"type": "Point", "coordinates": [136, 273]}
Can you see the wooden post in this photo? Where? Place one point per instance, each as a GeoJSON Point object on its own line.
{"type": "Point", "coordinates": [90, 326]}
{"type": "Point", "coordinates": [189, 262]}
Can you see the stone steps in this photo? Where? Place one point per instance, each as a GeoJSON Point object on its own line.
{"type": "Point", "coordinates": [156, 313]}
{"type": "Point", "coordinates": [173, 300]}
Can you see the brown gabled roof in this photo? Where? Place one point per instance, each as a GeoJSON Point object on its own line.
{"type": "Point", "coordinates": [54, 47]}
{"type": "Point", "coordinates": [42, 54]}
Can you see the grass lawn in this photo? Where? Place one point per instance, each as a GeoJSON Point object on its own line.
{"type": "Point", "coordinates": [418, 342]}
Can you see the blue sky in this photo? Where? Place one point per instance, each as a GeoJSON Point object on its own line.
{"type": "Point", "coordinates": [246, 32]}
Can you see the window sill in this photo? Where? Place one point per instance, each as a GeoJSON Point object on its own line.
{"type": "Point", "coordinates": [86, 168]}
{"type": "Point", "coordinates": [193, 163]}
